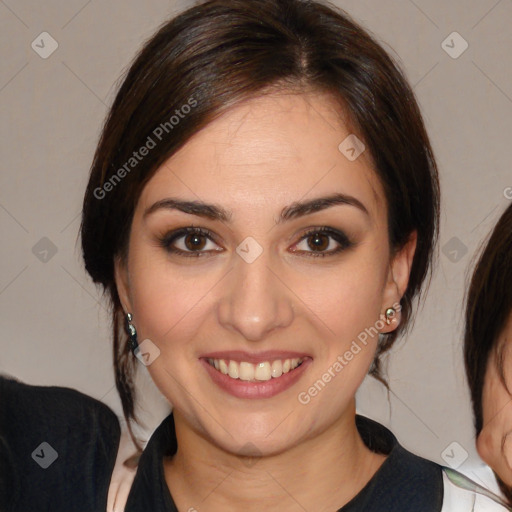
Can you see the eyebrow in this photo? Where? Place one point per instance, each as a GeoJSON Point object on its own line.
{"type": "Point", "coordinates": [293, 211]}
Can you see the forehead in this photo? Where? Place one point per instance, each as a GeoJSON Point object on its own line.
{"type": "Point", "coordinates": [276, 148]}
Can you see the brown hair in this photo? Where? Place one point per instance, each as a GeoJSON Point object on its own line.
{"type": "Point", "coordinates": [488, 308]}
{"type": "Point", "coordinates": [220, 53]}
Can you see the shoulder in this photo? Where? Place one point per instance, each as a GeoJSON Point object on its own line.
{"type": "Point", "coordinates": [15, 394]}
{"type": "Point", "coordinates": [404, 482]}
{"type": "Point", "coordinates": [408, 482]}
{"type": "Point", "coordinates": [57, 448]}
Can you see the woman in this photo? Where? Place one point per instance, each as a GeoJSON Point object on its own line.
{"type": "Point", "coordinates": [487, 351]}
{"type": "Point", "coordinates": [262, 210]}
{"type": "Point", "coordinates": [252, 211]}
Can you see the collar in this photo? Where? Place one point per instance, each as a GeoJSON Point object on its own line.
{"type": "Point", "coordinates": [403, 482]}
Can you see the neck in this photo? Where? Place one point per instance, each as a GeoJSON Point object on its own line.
{"type": "Point", "coordinates": [323, 473]}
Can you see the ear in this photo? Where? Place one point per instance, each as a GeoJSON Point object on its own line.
{"type": "Point", "coordinates": [122, 280]}
{"type": "Point", "coordinates": [398, 279]}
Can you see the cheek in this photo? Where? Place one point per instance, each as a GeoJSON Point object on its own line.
{"type": "Point", "coordinates": [484, 446]}
{"type": "Point", "coordinates": [347, 299]}
{"type": "Point", "coordinates": [497, 417]}
{"type": "Point", "coordinates": [168, 300]}
{"type": "Point", "coordinates": [495, 449]}
{"type": "Point", "coordinates": [496, 401]}
{"type": "Point", "coordinates": [172, 303]}
{"type": "Point", "coordinates": [343, 312]}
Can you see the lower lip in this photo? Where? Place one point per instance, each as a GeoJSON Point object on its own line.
{"type": "Point", "coordinates": [262, 389]}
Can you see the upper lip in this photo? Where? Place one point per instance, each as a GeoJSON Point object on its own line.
{"type": "Point", "coordinates": [254, 358]}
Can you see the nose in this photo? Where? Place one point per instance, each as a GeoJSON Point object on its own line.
{"type": "Point", "coordinates": [255, 301]}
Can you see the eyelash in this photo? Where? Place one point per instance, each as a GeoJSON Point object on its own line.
{"type": "Point", "coordinates": [340, 237]}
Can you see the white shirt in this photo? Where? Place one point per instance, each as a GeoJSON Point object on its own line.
{"type": "Point", "coordinates": [462, 494]}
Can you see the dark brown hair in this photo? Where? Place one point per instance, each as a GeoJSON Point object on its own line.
{"type": "Point", "coordinates": [220, 53]}
{"type": "Point", "coordinates": [488, 308]}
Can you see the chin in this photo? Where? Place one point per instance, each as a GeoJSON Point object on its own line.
{"type": "Point", "coordinates": [254, 436]}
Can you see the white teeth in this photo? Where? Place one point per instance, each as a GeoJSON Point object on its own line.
{"type": "Point", "coordinates": [277, 369]}
{"type": "Point", "coordinates": [246, 371]}
{"type": "Point", "coordinates": [263, 371]}
{"type": "Point", "coordinates": [233, 370]}
{"type": "Point", "coordinates": [223, 367]}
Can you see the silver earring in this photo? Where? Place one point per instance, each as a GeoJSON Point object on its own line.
{"type": "Point", "coordinates": [132, 332]}
{"type": "Point", "coordinates": [390, 315]}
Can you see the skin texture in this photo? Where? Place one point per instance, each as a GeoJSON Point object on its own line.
{"type": "Point", "coordinates": [258, 158]}
{"type": "Point", "coordinates": [494, 443]}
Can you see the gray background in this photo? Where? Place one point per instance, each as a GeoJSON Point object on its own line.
{"type": "Point", "coordinates": [55, 328]}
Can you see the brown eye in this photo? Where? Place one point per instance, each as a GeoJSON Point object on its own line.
{"type": "Point", "coordinates": [318, 242]}
{"type": "Point", "coordinates": [195, 241]}
{"type": "Point", "coordinates": [190, 241]}
{"type": "Point", "coordinates": [323, 242]}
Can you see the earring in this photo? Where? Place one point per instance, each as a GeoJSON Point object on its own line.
{"type": "Point", "coordinates": [390, 314]}
{"type": "Point", "coordinates": [132, 332]}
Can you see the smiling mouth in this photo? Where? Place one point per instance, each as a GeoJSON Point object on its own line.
{"type": "Point", "coordinates": [260, 372]}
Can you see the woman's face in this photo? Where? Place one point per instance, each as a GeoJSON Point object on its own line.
{"type": "Point", "coordinates": [494, 442]}
{"type": "Point", "coordinates": [291, 265]}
